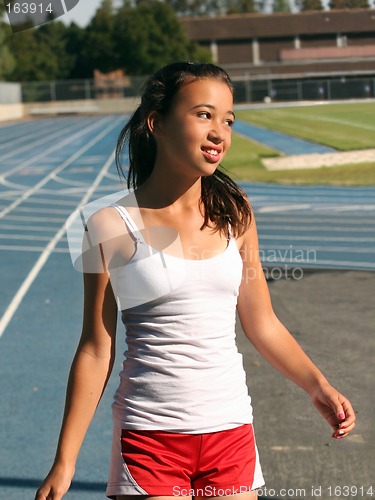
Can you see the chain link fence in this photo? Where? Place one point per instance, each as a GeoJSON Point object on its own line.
{"type": "Point", "coordinates": [247, 89]}
{"type": "Point", "coordinates": [304, 89]}
{"type": "Point", "coordinates": [71, 90]}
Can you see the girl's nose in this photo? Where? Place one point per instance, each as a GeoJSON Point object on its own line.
{"type": "Point", "coordinates": [216, 134]}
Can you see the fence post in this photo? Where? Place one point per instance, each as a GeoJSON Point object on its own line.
{"type": "Point", "coordinates": [299, 90]}
{"type": "Point", "coordinates": [87, 89]}
{"type": "Point", "coordinates": [52, 87]}
{"type": "Point", "coordinates": [329, 90]}
{"type": "Point", "coordinates": [247, 87]}
{"type": "Point", "coordinates": [269, 88]}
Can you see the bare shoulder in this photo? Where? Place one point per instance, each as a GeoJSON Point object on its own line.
{"type": "Point", "coordinates": [105, 224]}
{"type": "Point", "coordinates": [248, 241]}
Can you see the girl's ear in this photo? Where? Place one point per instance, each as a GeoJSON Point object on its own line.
{"type": "Point", "coordinates": [153, 122]}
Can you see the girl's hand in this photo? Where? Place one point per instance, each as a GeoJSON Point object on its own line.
{"type": "Point", "coordinates": [336, 409]}
{"type": "Point", "coordinates": [56, 484]}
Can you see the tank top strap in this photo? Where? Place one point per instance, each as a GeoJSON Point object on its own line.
{"type": "Point", "coordinates": [130, 224]}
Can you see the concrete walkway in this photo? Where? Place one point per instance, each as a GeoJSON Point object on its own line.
{"type": "Point", "coordinates": [318, 160]}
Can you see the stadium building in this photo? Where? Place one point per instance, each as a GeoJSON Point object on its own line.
{"type": "Point", "coordinates": [305, 44]}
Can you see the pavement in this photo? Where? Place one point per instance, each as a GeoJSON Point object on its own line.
{"type": "Point", "coordinates": [331, 315]}
{"type": "Point", "coordinates": [318, 160]}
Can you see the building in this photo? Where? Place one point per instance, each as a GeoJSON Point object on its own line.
{"type": "Point", "coordinates": [300, 45]}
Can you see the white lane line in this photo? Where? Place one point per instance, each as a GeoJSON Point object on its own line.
{"type": "Point", "coordinates": [19, 248]}
{"type": "Point", "coordinates": [301, 193]}
{"type": "Point", "coordinates": [56, 211]}
{"type": "Point", "coordinates": [317, 208]}
{"type": "Point", "coordinates": [40, 229]}
{"type": "Point", "coordinates": [32, 145]}
{"type": "Point", "coordinates": [70, 160]}
{"type": "Point", "coordinates": [342, 264]}
{"type": "Point", "coordinates": [46, 201]}
{"type": "Point", "coordinates": [308, 220]}
{"type": "Point", "coordinates": [319, 238]}
{"type": "Point", "coordinates": [24, 138]}
{"type": "Point", "coordinates": [32, 237]}
{"type": "Point", "coordinates": [69, 182]}
{"type": "Point", "coordinates": [113, 177]}
{"type": "Point", "coordinates": [280, 248]}
{"type": "Point", "coordinates": [74, 192]}
{"type": "Point", "coordinates": [13, 185]}
{"type": "Point", "coordinates": [31, 218]}
{"type": "Point", "coordinates": [23, 289]}
{"type": "Point", "coordinates": [309, 229]}
{"type": "Point", "coordinates": [56, 146]}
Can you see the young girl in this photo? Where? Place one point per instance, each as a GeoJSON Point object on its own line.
{"type": "Point", "coordinates": [179, 256]}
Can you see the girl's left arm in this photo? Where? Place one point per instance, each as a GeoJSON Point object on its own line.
{"type": "Point", "coordinates": [278, 346]}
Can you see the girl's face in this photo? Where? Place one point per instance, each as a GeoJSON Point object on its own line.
{"type": "Point", "coordinates": [196, 133]}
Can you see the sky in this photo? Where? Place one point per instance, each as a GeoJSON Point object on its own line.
{"type": "Point", "coordinates": [82, 13]}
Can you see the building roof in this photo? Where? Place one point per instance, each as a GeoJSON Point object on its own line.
{"type": "Point", "coordinates": [239, 26]}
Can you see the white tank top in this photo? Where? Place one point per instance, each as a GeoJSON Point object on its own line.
{"type": "Point", "coordinates": [182, 370]}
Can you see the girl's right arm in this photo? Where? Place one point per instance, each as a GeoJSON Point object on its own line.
{"type": "Point", "coordinates": [91, 368]}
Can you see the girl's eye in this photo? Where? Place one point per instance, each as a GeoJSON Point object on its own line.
{"type": "Point", "coordinates": [229, 122]}
{"type": "Point", "coordinates": [204, 114]}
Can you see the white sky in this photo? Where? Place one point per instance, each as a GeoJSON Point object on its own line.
{"type": "Point", "coordinates": [82, 12]}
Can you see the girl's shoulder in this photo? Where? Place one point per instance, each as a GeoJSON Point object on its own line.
{"type": "Point", "coordinates": [107, 222]}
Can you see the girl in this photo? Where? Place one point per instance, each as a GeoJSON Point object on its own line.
{"type": "Point", "coordinates": [179, 256]}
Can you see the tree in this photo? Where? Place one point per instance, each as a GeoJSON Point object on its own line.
{"type": "Point", "coordinates": [7, 62]}
{"type": "Point", "coordinates": [348, 4]}
{"type": "Point", "coordinates": [359, 4]}
{"type": "Point", "coordinates": [99, 41]}
{"type": "Point", "coordinates": [75, 46]}
{"type": "Point", "coordinates": [41, 54]}
{"type": "Point", "coordinates": [304, 5]}
{"type": "Point", "coordinates": [31, 63]}
{"type": "Point", "coordinates": [281, 6]}
{"type": "Point", "coordinates": [241, 6]}
{"type": "Point", "coordinates": [195, 7]}
{"type": "Point", "coordinates": [52, 39]}
{"type": "Point", "coordinates": [150, 36]}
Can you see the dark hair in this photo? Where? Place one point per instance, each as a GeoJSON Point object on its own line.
{"type": "Point", "coordinates": [224, 203]}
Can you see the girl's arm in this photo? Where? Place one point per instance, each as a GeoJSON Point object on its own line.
{"type": "Point", "coordinates": [277, 345]}
{"type": "Point", "coordinates": [91, 368]}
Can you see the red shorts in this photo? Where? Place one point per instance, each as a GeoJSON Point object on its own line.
{"type": "Point", "coordinates": [175, 464]}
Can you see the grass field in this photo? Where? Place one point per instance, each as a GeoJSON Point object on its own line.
{"type": "Point", "coordinates": [345, 127]}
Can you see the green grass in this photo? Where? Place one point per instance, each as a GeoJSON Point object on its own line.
{"type": "Point", "coordinates": [244, 163]}
{"type": "Point", "coordinates": [345, 127]}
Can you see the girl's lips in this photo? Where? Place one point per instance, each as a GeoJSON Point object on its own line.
{"type": "Point", "coordinates": [211, 154]}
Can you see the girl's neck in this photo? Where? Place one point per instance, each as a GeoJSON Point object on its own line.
{"type": "Point", "coordinates": [160, 191]}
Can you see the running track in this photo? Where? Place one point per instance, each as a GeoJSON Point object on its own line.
{"type": "Point", "coordinates": [47, 169]}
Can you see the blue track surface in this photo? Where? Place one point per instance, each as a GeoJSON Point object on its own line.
{"type": "Point", "coordinates": [48, 168]}
{"type": "Point", "coordinates": [284, 143]}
